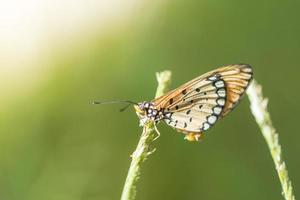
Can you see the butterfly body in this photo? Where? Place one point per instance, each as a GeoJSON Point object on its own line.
{"type": "Point", "coordinates": [148, 112]}
{"type": "Point", "coordinates": [198, 104]}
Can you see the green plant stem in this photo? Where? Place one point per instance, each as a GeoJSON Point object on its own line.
{"type": "Point", "coordinates": [263, 119]}
{"type": "Point", "coordinates": [143, 149]}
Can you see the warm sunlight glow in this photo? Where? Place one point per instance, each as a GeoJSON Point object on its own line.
{"type": "Point", "coordinates": [27, 28]}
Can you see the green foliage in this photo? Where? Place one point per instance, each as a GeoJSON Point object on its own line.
{"type": "Point", "coordinates": [55, 145]}
{"type": "Point", "coordinates": [263, 119]}
{"type": "Point", "coordinates": [143, 149]}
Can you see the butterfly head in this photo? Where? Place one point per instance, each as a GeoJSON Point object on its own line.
{"type": "Point", "coordinates": [147, 111]}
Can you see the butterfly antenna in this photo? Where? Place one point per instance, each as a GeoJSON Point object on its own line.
{"type": "Point", "coordinates": [123, 109]}
{"type": "Point", "coordinates": [114, 101]}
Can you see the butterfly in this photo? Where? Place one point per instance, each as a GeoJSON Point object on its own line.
{"type": "Point", "coordinates": [195, 107]}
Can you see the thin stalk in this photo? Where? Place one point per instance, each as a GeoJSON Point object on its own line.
{"type": "Point", "coordinates": [263, 119]}
{"type": "Point", "coordinates": [143, 149]}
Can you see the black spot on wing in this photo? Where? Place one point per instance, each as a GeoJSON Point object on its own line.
{"type": "Point", "coordinates": [185, 125]}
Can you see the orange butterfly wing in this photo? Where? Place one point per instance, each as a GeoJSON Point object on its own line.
{"type": "Point", "coordinates": [196, 105]}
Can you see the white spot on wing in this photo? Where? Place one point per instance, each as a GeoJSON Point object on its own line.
{"type": "Point", "coordinates": [219, 84]}
{"type": "Point", "coordinates": [217, 110]}
{"type": "Point", "coordinates": [221, 101]}
{"type": "Point", "coordinates": [212, 78]}
{"type": "Point", "coordinates": [206, 126]}
{"type": "Point", "coordinates": [212, 119]}
{"type": "Point", "coordinates": [168, 115]}
{"type": "Point", "coordinates": [221, 92]}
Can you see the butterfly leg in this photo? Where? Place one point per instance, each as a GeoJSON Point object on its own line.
{"type": "Point", "coordinates": [194, 136]}
{"type": "Point", "coordinates": [158, 133]}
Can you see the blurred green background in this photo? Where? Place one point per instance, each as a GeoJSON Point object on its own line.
{"type": "Point", "coordinates": [55, 145]}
